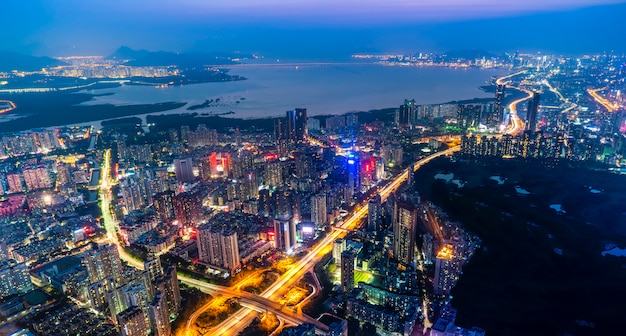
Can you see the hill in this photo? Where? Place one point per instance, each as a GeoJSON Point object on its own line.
{"type": "Point", "coordinates": [143, 57]}
{"type": "Point", "coordinates": [10, 61]}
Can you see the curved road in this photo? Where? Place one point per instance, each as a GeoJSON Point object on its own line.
{"type": "Point", "coordinates": [267, 300]}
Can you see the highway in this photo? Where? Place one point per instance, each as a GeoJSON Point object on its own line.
{"type": "Point", "coordinates": [611, 107]}
{"type": "Point", "coordinates": [239, 320]}
{"type": "Point", "coordinates": [267, 301]}
{"type": "Point", "coordinates": [517, 125]}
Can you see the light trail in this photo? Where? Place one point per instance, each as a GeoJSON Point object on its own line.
{"type": "Point", "coordinates": [267, 300]}
{"type": "Point", "coordinates": [611, 107]}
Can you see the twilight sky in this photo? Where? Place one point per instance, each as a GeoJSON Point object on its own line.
{"type": "Point", "coordinates": [311, 28]}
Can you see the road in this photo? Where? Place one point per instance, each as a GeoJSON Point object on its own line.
{"type": "Point", "coordinates": [11, 107]}
{"type": "Point", "coordinates": [611, 107]}
{"type": "Point", "coordinates": [239, 320]}
{"type": "Point", "coordinates": [517, 125]}
{"type": "Point", "coordinates": [267, 300]}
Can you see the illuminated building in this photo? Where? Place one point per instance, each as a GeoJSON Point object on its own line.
{"type": "Point", "coordinates": [218, 247]}
{"type": "Point", "coordinates": [339, 245]}
{"type": "Point", "coordinates": [498, 111]}
{"type": "Point", "coordinates": [102, 262]}
{"type": "Point", "coordinates": [188, 207]}
{"type": "Point", "coordinates": [353, 172]}
{"type": "Point", "coordinates": [15, 183]}
{"type": "Point", "coordinates": [122, 153]}
{"type": "Point", "coordinates": [427, 248]}
{"type": "Point", "coordinates": [447, 269]}
{"type": "Point", "coordinates": [159, 316]}
{"type": "Point", "coordinates": [37, 178]}
{"type": "Point", "coordinates": [153, 267]}
{"type": "Point", "coordinates": [131, 193]}
{"type": "Point", "coordinates": [132, 322]}
{"type": "Point", "coordinates": [14, 278]}
{"type": "Point", "coordinates": [374, 213]}
{"type": "Point", "coordinates": [285, 233]}
{"type": "Point", "coordinates": [405, 115]}
{"type": "Point", "coordinates": [297, 124]}
{"type": "Point", "coordinates": [219, 164]}
{"type": "Point", "coordinates": [167, 283]}
{"type": "Point", "coordinates": [348, 264]}
{"type": "Point", "coordinates": [164, 205]}
{"type": "Point", "coordinates": [469, 115]}
{"type": "Point", "coordinates": [318, 210]}
{"type": "Point", "coordinates": [304, 164]}
{"type": "Point", "coordinates": [531, 113]}
{"type": "Point", "coordinates": [273, 174]}
{"type": "Point", "coordinates": [184, 170]}
{"type": "Point", "coordinates": [404, 232]}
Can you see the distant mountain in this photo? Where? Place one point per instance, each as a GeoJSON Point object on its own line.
{"type": "Point", "coordinates": [10, 61]}
{"type": "Point", "coordinates": [164, 58]}
{"type": "Point", "coordinates": [468, 54]}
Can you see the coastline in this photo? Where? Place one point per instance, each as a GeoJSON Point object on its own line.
{"type": "Point", "coordinates": [240, 99]}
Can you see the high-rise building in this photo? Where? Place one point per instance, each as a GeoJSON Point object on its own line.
{"type": "Point", "coordinates": [531, 113]}
{"type": "Point", "coordinates": [469, 115]}
{"type": "Point", "coordinates": [184, 170]}
{"type": "Point", "coordinates": [353, 174]}
{"type": "Point", "coordinates": [188, 207]}
{"type": "Point", "coordinates": [374, 213]}
{"type": "Point", "coordinates": [297, 125]}
{"type": "Point", "coordinates": [14, 278]}
{"type": "Point", "coordinates": [132, 322]}
{"type": "Point", "coordinates": [447, 269]}
{"type": "Point", "coordinates": [159, 316]}
{"type": "Point", "coordinates": [164, 205]}
{"type": "Point", "coordinates": [122, 153]}
{"type": "Point", "coordinates": [102, 262]}
{"type": "Point", "coordinates": [273, 174]}
{"type": "Point", "coordinates": [339, 245]}
{"type": "Point", "coordinates": [168, 284]}
{"type": "Point", "coordinates": [318, 210]}
{"type": "Point", "coordinates": [219, 247]}
{"type": "Point", "coordinates": [427, 248]}
{"type": "Point", "coordinates": [219, 164]}
{"type": "Point", "coordinates": [348, 263]}
{"type": "Point", "coordinates": [498, 110]}
{"type": "Point", "coordinates": [405, 115]}
{"type": "Point", "coordinates": [285, 233]}
{"type": "Point", "coordinates": [404, 232]}
{"type": "Point", "coordinates": [153, 267]}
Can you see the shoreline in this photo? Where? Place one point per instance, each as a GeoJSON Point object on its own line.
{"type": "Point", "coordinates": [83, 104]}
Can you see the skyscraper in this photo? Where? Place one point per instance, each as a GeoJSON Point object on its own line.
{"type": "Point", "coordinates": [297, 124]}
{"type": "Point", "coordinates": [102, 262]}
{"type": "Point", "coordinates": [404, 232]}
{"type": "Point", "coordinates": [531, 113]}
{"type": "Point", "coordinates": [168, 284]}
{"type": "Point", "coordinates": [219, 247]}
{"type": "Point", "coordinates": [447, 269]}
{"type": "Point", "coordinates": [285, 232]}
{"type": "Point", "coordinates": [405, 115]}
{"type": "Point", "coordinates": [348, 263]}
{"type": "Point", "coordinates": [339, 245]}
{"type": "Point", "coordinates": [159, 316]}
{"type": "Point", "coordinates": [184, 170]}
{"type": "Point", "coordinates": [353, 174]}
{"type": "Point", "coordinates": [374, 213]}
{"type": "Point", "coordinates": [318, 209]}
{"type": "Point", "coordinates": [188, 207]}
{"type": "Point", "coordinates": [164, 205]}
{"type": "Point", "coordinates": [498, 110]}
